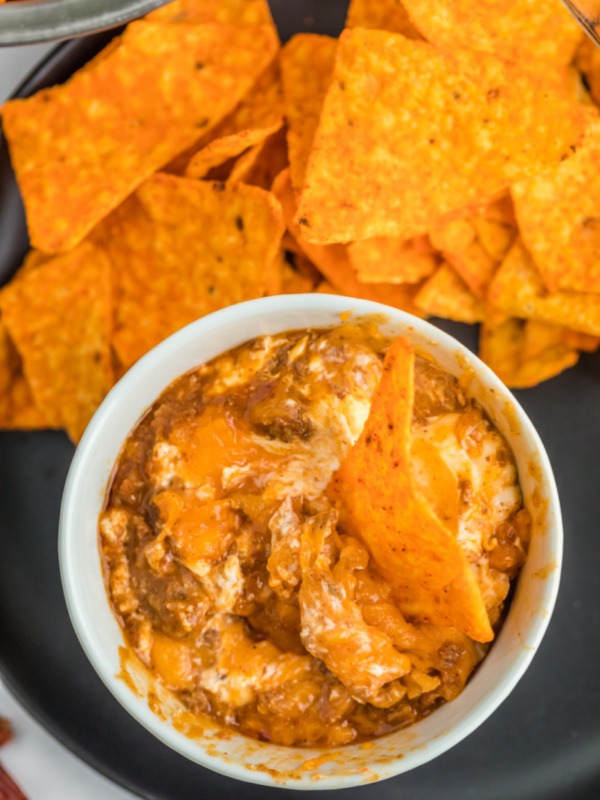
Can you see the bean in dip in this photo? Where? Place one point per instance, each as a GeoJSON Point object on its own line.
{"type": "Point", "coordinates": [312, 537]}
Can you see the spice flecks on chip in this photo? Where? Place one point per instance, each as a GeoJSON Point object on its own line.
{"type": "Point", "coordinates": [182, 248]}
{"type": "Point", "coordinates": [385, 154]}
{"type": "Point", "coordinates": [80, 149]}
{"type": "Point", "coordinates": [258, 114]}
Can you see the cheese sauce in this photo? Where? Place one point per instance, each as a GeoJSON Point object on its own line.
{"type": "Point", "coordinates": [230, 575]}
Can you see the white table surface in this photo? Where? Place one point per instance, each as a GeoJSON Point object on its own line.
{"type": "Point", "coordinates": [42, 767]}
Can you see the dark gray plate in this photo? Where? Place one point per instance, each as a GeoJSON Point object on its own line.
{"type": "Point", "coordinates": [542, 744]}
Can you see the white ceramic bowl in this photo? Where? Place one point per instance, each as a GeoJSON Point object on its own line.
{"type": "Point", "coordinates": [237, 756]}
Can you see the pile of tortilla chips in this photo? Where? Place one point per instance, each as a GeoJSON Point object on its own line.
{"type": "Point", "coordinates": [440, 157]}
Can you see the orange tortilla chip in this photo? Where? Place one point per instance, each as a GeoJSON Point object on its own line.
{"type": "Point", "coordinates": [459, 244]}
{"type": "Point", "coordinates": [446, 295]}
{"type": "Point", "coordinates": [59, 316]}
{"type": "Point", "coordinates": [581, 341]}
{"type": "Point", "coordinates": [181, 249]}
{"type": "Point", "coordinates": [243, 166]}
{"type": "Point", "coordinates": [384, 15]}
{"type": "Point", "coordinates": [381, 505]}
{"type": "Point", "coordinates": [392, 260]}
{"type": "Point", "coordinates": [539, 34]}
{"type": "Point", "coordinates": [326, 288]}
{"type": "Point", "coordinates": [333, 262]}
{"type": "Point", "coordinates": [306, 70]}
{"type": "Point", "coordinates": [259, 114]}
{"type": "Point", "coordinates": [33, 259]}
{"type": "Point", "coordinates": [518, 290]}
{"type": "Point", "coordinates": [474, 242]}
{"type": "Point", "coordinates": [17, 408]}
{"type": "Point", "coordinates": [260, 165]}
{"type": "Point", "coordinates": [559, 218]}
{"type": "Point", "coordinates": [292, 280]}
{"type": "Point", "coordinates": [79, 149]}
{"type": "Point", "coordinates": [299, 262]}
{"type": "Point", "coordinates": [220, 150]}
{"type": "Point", "coordinates": [385, 155]}
{"type": "Point", "coordinates": [524, 353]}
{"type": "Point", "coordinates": [587, 59]}
{"type": "Point", "coordinates": [198, 12]}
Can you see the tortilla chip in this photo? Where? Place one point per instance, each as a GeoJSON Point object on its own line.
{"type": "Point", "coordinates": [333, 261]}
{"type": "Point", "coordinates": [59, 316]}
{"type": "Point", "coordinates": [79, 149]}
{"type": "Point", "coordinates": [518, 290]}
{"type": "Point", "coordinates": [475, 242]}
{"type": "Point", "coordinates": [326, 288]}
{"type": "Point", "coordinates": [446, 295]}
{"type": "Point", "coordinates": [500, 210]}
{"type": "Point", "coordinates": [587, 59]}
{"type": "Point", "coordinates": [299, 262]}
{"type": "Point", "coordinates": [381, 505]}
{"type": "Point", "coordinates": [559, 218]}
{"type": "Point", "coordinates": [524, 353]}
{"type": "Point", "coordinates": [33, 259]}
{"type": "Point", "coordinates": [198, 12]}
{"type": "Point", "coordinates": [539, 34]}
{"type": "Point", "coordinates": [220, 150]}
{"type": "Point", "coordinates": [384, 15]}
{"type": "Point", "coordinates": [182, 248]}
{"type": "Point", "coordinates": [17, 408]}
{"type": "Point", "coordinates": [391, 260]}
{"type": "Point", "coordinates": [244, 165]}
{"type": "Point", "coordinates": [580, 341]}
{"type": "Point", "coordinates": [261, 164]}
{"type": "Point", "coordinates": [496, 238]}
{"type": "Point", "coordinates": [306, 70]}
{"type": "Point", "coordinates": [459, 244]}
{"type": "Point", "coordinates": [385, 155]}
{"type": "Point", "coordinates": [293, 281]}
{"type": "Point", "coordinates": [259, 114]}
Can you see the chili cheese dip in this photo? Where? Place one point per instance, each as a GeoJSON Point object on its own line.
{"type": "Point", "coordinates": [228, 569]}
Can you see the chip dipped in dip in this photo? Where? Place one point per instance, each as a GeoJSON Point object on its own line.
{"type": "Point", "coordinates": [311, 537]}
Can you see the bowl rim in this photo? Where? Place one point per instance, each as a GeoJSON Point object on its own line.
{"type": "Point", "coordinates": [36, 21]}
{"type": "Point", "coordinates": [159, 355]}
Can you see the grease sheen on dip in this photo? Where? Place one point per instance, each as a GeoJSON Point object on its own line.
{"type": "Point", "coordinates": [224, 569]}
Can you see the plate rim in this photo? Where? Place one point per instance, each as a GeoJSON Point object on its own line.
{"type": "Point", "coordinates": [26, 87]}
